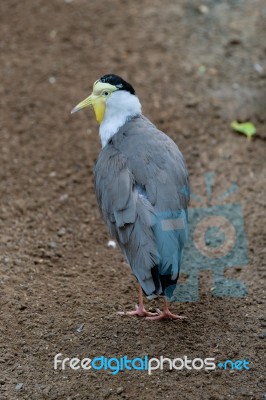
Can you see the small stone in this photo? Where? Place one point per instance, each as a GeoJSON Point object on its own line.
{"type": "Point", "coordinates": [202, 69]}
{"type": "Point", "coordinates": [191, 102]}
{"type": "Point", "coordinates": [52, 80]}
{"type": "Point", "coordinates": [61, 232]}
{"type": "Point", "coordinates": [52, 174]}
{"type": "Point", "coordinates": [258, 68]}
{"type": "Point", "coordinates": [80, 328]}
{"type": "Point", "coordinates": [203, 9]}
{"type": "Point", "coordinates": [52, 245]}
{"type": "Point", "coordinates": [47, 390]}
{"type": "Point", "coordinates": [53, 34]}
{"type": "Point", "coordinates": [111, 244]}
{"type": "Point", "coordinates": [19, 386]}
{"type": "Point", "coordinates": [63, 197]}
{"type": "Point", "coordinates": [262, 335]}
{"type": "Point", "coordinates": [120, 390]}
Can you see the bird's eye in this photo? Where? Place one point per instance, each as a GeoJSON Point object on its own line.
{"type": "Point", "coordinates": [105, 93]}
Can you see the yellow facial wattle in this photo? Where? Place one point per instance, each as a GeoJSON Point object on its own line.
{"type": "Point", "coordinates": [101, 91]}
{"type": "Point", "coordinates": [98, 104]}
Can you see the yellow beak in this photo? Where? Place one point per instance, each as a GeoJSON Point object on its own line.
{"type": "Point", "coordinates": [98, 103]}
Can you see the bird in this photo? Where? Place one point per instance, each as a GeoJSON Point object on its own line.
{"type": "Point", "coordinates": [142, 188]}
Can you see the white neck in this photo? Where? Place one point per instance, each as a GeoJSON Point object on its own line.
{"type": "Point", "coordinates": [120, 108]}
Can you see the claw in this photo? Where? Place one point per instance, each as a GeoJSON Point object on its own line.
{"type": "Point", "coordinates": [159, 315]}
{"type": "Point", "coordinates": [140, 311]}
{"type": "Point", "coordinates": [165, 314]}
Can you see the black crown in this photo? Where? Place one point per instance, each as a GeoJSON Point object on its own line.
{"type": "Point", "coordinates": [118, 82]}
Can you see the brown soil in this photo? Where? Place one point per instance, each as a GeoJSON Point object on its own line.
{"type": "Point", "coordinates": [195, 70]}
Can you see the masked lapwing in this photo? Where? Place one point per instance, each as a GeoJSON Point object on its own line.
{"type": "Point", "coordinates": [142, 188]}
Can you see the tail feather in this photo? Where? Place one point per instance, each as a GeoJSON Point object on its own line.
{"type": "Point", "coordinates": [153, 247]}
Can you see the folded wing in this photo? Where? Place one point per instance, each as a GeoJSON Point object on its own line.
{"type": "Point", "coordinates": [142, 188]}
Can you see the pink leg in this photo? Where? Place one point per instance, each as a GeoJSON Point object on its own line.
{"type": "Point", "coordinates": [140, 309]}
{"type": "Point", "coordinates": [165, 314]}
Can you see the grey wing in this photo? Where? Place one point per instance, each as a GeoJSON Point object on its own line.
{"type": "Point", "coordinates": [161, 178]}
{"type": "Point", "coordinates": [156, 163]}
{"type": "Point", "coordinates": [129, 217]}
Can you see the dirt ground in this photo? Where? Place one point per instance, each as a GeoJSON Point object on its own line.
{"type": "Point", "coordinates": [196, 66]}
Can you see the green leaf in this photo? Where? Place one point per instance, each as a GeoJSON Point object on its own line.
{"type": "Point", "coordinates": [247, 128]}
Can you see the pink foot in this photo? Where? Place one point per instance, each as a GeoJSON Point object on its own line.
{"type": "Point", "coordinates": [166, 314]}
{"type": "Point", "coordinates": [139, 312]}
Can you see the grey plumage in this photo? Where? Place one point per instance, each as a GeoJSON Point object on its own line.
{"type": "Point", "coordinates": [142, 188]}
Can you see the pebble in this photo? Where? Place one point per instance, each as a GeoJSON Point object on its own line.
{"type": "Point", "coordinates": [202, 69]}
{"type": "Point", "coordinates": [262, 335]}
{"type": "Point", "coordinates": [258, 68]}
{"type": "Point", "coordinates": [52, 80]}
{"type": "Point", "coordinates": [53, 34]}
{"type": "Point", "coordinates": [203, 9]}
{"type": "Point", "coordinates": [120, 390]}
{"type": "Point", "coordinates": [80, 328]}
{"type": "Point", "coordinates": [111, 244]}
{"type": "Point", "coordinates": [52, 245]}
{"type": "Point", "coordinates": [19, 386]}
{"type": "Point", "coordinates": [47, 390]}
{"type": "Point", "coordinates": [61, 232]}
{"type": "Point", "coordinates": [235, 86]}
{"type": "Point", "coordinates": [64, 197]}
{"type": "Point", "coordinates": [191, 102]}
